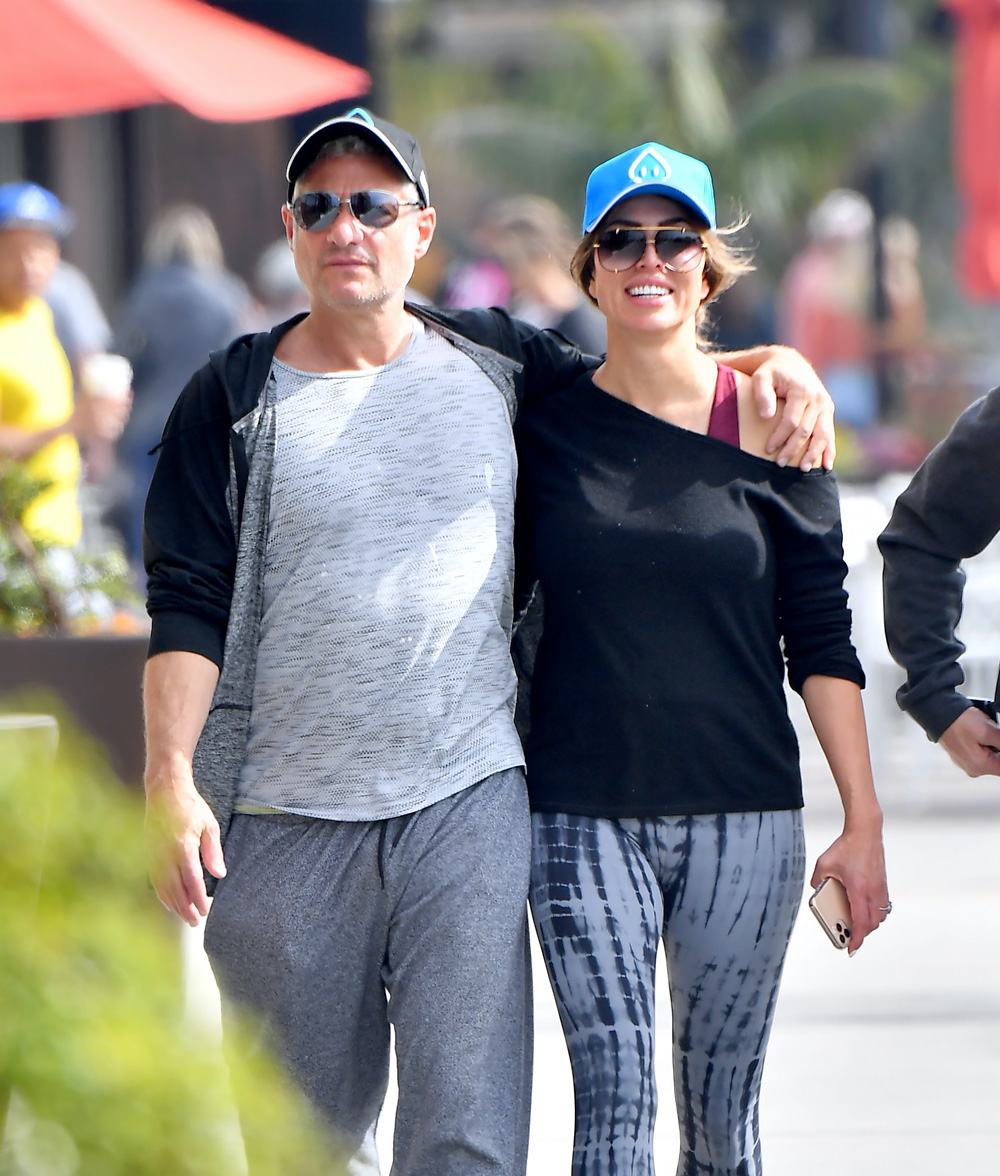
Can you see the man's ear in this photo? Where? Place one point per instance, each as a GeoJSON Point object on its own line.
{"type": "Point", "coordinates": [288, 221]}
{"type": "Point", "coordinates": [426, 224]}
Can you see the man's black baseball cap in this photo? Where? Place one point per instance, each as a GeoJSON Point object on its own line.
{"type": "Point", "coordinates": [400, 145]}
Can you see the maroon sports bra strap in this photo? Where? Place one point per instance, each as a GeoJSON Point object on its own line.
{"type": "Point", "coordinates": [724, 422]}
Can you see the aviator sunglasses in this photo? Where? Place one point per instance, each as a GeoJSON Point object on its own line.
{"type": "Point", "coordinates": [315, 211]}
{"type": "Point", "coordinates": [677, 247]}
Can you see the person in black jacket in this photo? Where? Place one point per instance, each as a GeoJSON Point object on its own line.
{"type": "Point", "coordinates": [949, 512]}
{"type": "Point", "coordinates": [672, 571]}
{"type": "Point", "coordinates": [329, 693]}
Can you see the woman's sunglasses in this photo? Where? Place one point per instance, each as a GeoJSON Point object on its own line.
{"type": "Point", "coordinates": [678, 248]}
{"type": "Point", "coordinates": [315, 211]}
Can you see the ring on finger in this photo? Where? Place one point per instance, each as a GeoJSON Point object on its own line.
{"type": "Point", "coordinates": [886, 910]}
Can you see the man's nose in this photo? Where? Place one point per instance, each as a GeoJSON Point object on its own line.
{"type": "Point", "coordinates": [346, 229]}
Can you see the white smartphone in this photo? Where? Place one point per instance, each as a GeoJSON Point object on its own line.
{"type": "Point", "coordinates": [828, 902]}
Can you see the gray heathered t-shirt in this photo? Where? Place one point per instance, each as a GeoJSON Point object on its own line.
{"type": "Point", "coordinates": [384, 681]}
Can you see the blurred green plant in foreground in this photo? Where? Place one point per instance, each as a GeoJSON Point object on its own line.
{"type": "Point", "coordinates": [51, 589]}
{"type": "Point", "coordinates": [99, 1074]}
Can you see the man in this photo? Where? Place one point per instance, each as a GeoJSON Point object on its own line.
{"type": "Point", "coordinates": [39, 423]}
{"type": "Point", "coordinates": [949, 511]}
{"type": "Point", "coordinates": [330, 524]}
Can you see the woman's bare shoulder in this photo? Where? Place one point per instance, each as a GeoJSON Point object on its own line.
{"type": "Point", "coordinates": [754, 429]}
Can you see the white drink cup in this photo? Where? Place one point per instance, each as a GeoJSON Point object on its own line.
{"type": "Point", "coordinates": [105, 374]}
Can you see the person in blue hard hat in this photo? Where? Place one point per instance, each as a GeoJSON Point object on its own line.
{"type": "Point", "coordinates": [674, 571]}
{"type": "Point", "coordinates": [40, 425]}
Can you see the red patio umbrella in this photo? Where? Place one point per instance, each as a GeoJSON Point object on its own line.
{"type": "Point", "coordinates": [66, 57]}
{"type": "Point", "coordinates": [977, 143]}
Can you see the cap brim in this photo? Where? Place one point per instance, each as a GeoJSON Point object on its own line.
{"type": "Point", "coordinates": [59, 229]}
{"type": "Point", "coordinates": [650, 190]}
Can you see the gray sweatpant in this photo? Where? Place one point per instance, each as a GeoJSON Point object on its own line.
{"type": "Point", "coordinates": [332, 930]}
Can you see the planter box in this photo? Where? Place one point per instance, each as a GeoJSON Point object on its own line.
{"type": "Point", "coordinates": [98, 679]}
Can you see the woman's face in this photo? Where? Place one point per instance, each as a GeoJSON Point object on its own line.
{"type": "Point", "coordinates": [649, 296]}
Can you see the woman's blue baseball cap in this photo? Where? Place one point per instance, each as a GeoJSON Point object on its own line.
{"type": "Point", "coordinates": [29, 206]}
{"type": "Point", "coordinates": [650, 169]}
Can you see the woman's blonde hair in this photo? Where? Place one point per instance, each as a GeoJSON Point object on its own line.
{"type": "Point", "coordinates": [724, 262]}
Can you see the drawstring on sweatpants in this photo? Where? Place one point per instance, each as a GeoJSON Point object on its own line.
{"type": "Point", "coordinates": [381, 853]}
{"type": "Point", "coordinates": [383, 827]}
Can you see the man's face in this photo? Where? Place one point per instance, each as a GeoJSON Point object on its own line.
{"type": "Point", "coordinates": [27, 260]}
{"type": "Point", "coordinates": [348, 265]}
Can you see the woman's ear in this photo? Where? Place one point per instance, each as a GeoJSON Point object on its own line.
{"type": "Point", "coordinates": [706, 285]}
{"type": "Point", "coordinates": [592, 285]}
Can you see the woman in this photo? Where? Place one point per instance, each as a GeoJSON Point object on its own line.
{"type": "Point", "coordinates": [675, 565]}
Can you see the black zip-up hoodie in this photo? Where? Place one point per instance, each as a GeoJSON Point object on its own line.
{"type": "Point", "coordinates": [949, 512]}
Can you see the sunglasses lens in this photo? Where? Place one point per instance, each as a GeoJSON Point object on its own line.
{"type": "Point", "coordinates": [315, 210]}
{"type": "Point", "coordinates": [620, 249]}
{"type": "Point", "coordinates": [377, 210]}
{"type": "Point", "coordinates": [679, 250]}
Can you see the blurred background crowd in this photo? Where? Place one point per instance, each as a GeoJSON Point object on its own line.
{"type": "Point", "coordinates": [834, 130]}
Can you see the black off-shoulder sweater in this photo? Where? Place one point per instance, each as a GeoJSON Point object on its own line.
{"type": "Point", "coordinates": [674, 575]}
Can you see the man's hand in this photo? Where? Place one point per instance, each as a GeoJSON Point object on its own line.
{"type": "Point", "coordinates": [973, 742]}
{"type": "Point", "coordinates": [181, 833]}
{"type": "Point", "coordinates": [181, 830]}
{"type": "Point", "coordinates": [803, 435]}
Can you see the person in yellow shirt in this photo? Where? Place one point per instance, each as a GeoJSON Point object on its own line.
{"type": "Point", "coordinates": [39, 423]}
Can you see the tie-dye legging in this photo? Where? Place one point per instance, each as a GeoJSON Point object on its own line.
{"type": "Point", "coordinates": [723, 892]}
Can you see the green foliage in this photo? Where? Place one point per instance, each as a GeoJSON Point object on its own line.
{"type": "Point", "coordinates": [58, 587]}
{"type": "Point", "coordinates": [107, 1078]}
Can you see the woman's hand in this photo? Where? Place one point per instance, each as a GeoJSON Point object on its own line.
{"type": "Point", "coordinates": [857, 860]}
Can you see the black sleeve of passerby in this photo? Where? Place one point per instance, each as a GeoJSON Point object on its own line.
{"type": "Point", "coordinates": [949, 512]}
{"type": "Point", "coordinates": [189, 547]}
{"type": "Point", "coordinates": [815, 621]}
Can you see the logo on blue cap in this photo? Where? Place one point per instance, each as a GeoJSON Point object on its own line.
{"type": "Point", "coordinates": [649, 168]}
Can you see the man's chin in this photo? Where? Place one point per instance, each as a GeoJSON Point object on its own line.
{"type": "Point", "coordinates": [360, 300]}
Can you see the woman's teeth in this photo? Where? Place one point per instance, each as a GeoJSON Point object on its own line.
{"type": "Point", "coordinates": [647, 291]}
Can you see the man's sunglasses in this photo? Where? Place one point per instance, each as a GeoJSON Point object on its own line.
{"type": "Point", "coordinates": [678, 248]}
{"type": "Point", "coordinates": [315, 211]}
